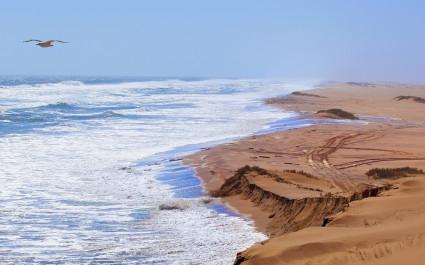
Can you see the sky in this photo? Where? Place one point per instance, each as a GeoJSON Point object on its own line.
{"type": "Point", "coordinates": [356, 40]}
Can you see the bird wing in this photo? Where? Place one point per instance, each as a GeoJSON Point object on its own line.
{"type": "Point", "coordinates": [32, 40]}
{"type": "Point", "coordinates": [61, 41]}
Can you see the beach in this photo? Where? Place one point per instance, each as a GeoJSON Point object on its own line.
{"type": "Point", "coordinates": [346, 189]}
{"type": "Point", "coordinates": [212, 132]}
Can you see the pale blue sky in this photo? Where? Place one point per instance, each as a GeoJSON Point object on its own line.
{"type": "Point", "coordinates": [338, 40]}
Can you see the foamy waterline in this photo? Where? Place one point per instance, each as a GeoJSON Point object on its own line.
{"type": "Point", "coordinates": [72, 193]}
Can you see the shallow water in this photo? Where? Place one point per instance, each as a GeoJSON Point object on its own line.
{"type": "Point", "coordinates": [86, 163]}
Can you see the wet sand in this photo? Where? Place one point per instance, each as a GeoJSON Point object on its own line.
{"type": "Point", "coordinates": [308, 190]}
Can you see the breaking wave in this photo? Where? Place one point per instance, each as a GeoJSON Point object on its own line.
{"type": "Point", "coordinates": [89, 163]}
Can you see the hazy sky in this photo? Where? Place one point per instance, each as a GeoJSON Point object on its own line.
{"type": "Point", "coordinates": [338, 40]}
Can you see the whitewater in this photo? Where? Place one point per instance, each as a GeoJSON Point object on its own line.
{"type": "Point", "coordinates": [85, 164]}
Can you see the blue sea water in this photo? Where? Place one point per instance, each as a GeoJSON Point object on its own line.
{"type": "Point", "coordinates": [86, 162]}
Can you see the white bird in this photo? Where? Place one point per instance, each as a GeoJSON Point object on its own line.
{"type": "Point", "coordinates": [45, 44]}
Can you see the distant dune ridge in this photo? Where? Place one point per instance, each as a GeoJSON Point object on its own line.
{"type": "Point", "coordinates": [330, 194]}
{"type": "Point", "coordinates": [415, 99]}
{"type": "Point", "coordinates": [336, 114]}
{"type": "Point", "coordinates": [299, 93]}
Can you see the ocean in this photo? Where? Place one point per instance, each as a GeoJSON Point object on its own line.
{"type": "Point", "coordinates": [85, 164]}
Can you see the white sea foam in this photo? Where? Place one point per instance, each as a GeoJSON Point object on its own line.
{"type": "Point", "coordinates": [70, 194]}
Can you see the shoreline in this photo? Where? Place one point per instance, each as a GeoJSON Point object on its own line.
{"type": "Point", "coordinates": [305, 177]}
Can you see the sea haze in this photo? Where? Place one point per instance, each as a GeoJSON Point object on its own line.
{"type": "Point", "coordinates": [85, 164]}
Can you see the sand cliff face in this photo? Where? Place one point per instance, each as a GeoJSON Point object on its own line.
{"type": "Point", "coordinates": [288, 214]}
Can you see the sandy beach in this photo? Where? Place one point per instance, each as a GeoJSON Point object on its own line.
{"type": "Point", "coordinates": [331, 193]}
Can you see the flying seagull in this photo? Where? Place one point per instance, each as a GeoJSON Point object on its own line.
{"type": "Point", "coordinates": [46, 44]}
